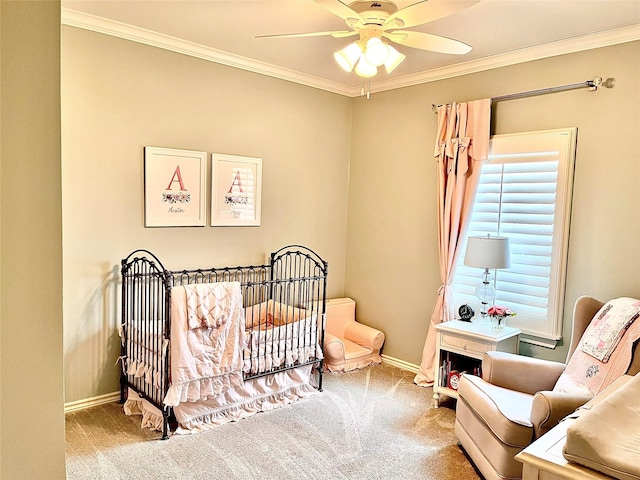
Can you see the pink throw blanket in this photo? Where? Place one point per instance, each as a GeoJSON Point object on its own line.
{"type": "Point", "coordinates": [608, 327]}
{"type": "Point", "coordinates": [205, 361]}
{"type": "Point", "coordinates": [208, 303]}
{"type": "Point", "coordinates": [587, 374]}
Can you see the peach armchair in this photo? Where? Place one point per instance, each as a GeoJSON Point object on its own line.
{"type": "Point", "coordinates": [348, 344]}
{"type": "Point", "coordinates": [514, 402]}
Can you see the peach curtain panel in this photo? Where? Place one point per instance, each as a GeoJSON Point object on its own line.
{"type": "Point", "coordinates": [461, 142]}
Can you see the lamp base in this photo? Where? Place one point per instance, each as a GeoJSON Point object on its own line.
{"type": "Point", "coordinates": [485, 292]}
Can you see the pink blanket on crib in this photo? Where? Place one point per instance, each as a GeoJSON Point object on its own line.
{"type": "Point", "coordinates": [204, 361]}
{"type": "Point", "coordinates": [208, 303]}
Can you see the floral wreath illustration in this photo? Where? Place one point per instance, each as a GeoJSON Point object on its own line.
{"type": "Point", "coordinates": [176, 197]}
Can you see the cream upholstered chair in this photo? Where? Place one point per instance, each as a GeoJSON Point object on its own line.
{"type": "Point", "coordinates": [514, 402]}
{"type": "Point", "coordinates": [349, 345]}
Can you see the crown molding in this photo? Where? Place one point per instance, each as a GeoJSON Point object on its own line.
{"type": "Point", "coordinates": [74, 18]}
{"type": "Point", "coordinates": [561, 47]}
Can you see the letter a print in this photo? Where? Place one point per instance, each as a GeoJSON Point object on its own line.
{"type": "Point", "coordinates": [177, 177]}
{"type": "Point", "coordinates": [236, 181]}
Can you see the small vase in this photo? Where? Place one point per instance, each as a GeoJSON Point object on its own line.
{"type": "Point", "coordinates": [498, 323]}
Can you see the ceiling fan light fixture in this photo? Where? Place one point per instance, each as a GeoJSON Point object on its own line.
{"type": "Point", "coordinates": [364, 69]}
{"type": "Point", "coordinates": [348, 56]}
{"type": "Point", "coordinates": [394, 59]}
{"type": "Point", "coordinates": [376, 52]}
{"type": "Point", "coordinates": [376, 20]}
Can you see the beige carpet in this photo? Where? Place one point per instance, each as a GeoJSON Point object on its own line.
{"type": "Point", "coordinates": [370, 424]}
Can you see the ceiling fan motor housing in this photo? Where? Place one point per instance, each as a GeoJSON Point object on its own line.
{"type": "Point", "coordinates": [374, 12]}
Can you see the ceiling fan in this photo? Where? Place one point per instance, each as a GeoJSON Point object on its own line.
{"type": "Point", "coordinates": [375, 20]}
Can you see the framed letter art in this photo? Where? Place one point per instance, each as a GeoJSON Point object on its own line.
{"type": "Point", "coordinates": [174, 188]}
{"type": "Point", "coordinates": [236, 190]}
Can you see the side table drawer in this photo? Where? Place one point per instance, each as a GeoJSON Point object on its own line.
{"type": "Point", "coordinates": [472, 346]}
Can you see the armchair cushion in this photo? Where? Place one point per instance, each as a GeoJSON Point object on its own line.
{"type": "Point", "coordinates": [546, 408]}
{"type": "Point", "coordinates": [342, 348]}
{"type": "Point", "coordinates": [508, 410]}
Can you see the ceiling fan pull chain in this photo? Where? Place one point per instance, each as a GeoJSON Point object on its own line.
{"type": "Point", "coordinates": [365, 87]}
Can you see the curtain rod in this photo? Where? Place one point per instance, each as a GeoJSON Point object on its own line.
{"type": "Point", "coordinates": [592, 85]}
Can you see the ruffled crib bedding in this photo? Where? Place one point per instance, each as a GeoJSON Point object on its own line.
{"type": "Point", "coordinates": [210, 353]}
{"type": "Point", "coordinates": [148, 357]}
{"type": "Point", "coordinates": [253, 396]}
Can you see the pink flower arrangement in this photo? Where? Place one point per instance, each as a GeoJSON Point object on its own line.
{"type": "Point", "coordinates": [498, 311]}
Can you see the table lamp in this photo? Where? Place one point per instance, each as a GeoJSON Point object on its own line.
{"type": "Point", "coordinates": [487, 252]}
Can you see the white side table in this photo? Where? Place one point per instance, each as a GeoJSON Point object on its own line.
{"type": "Point", "coordinates": [543, 459]}
{"type": "Point", "coordinates": [462, 345]}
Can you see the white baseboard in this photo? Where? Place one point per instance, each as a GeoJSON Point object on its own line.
{"type": "Point", "coordinates": [400, 363]}
{"type": "Point", "coordinates": [91, 402]}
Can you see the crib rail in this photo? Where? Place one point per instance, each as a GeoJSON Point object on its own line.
{"type": "Point", "coordinates": [144, 329]}
{"type": "Point", "coordinates": [286, 300]}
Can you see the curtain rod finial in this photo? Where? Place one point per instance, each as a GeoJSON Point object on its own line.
{"type": "Point", "coordinates": [594, 84]}
{"type": "Point", "coordinates": [597, 83]}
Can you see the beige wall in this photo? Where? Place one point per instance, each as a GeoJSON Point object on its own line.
{"type": "Point", "coordinates": [31, 391]}
{"type": "Point", "coordinates": [119, 96]}
{"type": "Point", "coordinates": [392, 264]}
{"type": "Point", "coordinates": [323, 155]}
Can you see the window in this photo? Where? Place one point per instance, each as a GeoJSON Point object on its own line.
{"type": "Point", "coordinates": [525, 194]}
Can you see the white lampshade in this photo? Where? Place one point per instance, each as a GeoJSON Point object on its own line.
{"type": "Point", "coordinates": [348, 56]}
{"type": "Point", "coordinates": [376, 52]}
{"type": "Point", "coordinates": [394, 59]}
{"type": "Point", "coordinates": [488, 252]}
{"type": "Point", "coordinates": [365, 69]}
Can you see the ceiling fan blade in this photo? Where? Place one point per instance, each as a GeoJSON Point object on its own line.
{"type": "Point", "coordinates": [425, 12]}
{"type": "Point", "coordinates": [341, 9]}
{"type": "Point", "coordinates": [426, 41]}
{"type": "Point", "coordinates": [349, 33]}
{"type": "Point", "coordinates": [311, 34]}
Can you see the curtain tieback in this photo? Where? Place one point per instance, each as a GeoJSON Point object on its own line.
{"type": "Point", "coordinates": [444, 293]}
{"type": "Point", "coordinates": [443, 289]}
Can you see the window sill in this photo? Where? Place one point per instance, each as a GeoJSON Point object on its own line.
{"type": "Point", "coordinates": [538, 341]}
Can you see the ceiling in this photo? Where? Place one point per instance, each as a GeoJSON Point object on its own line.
{"type": "Point", "coordinates": [501, 32]}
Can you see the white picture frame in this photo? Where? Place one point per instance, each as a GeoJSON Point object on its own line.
{"type": "Point", "coordinates": [174, 187]}
{"type": "Point", "coordinates": [236, 191]}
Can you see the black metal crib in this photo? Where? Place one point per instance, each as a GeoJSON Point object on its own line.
{"type": "Point", "coordinates": [296, 278]}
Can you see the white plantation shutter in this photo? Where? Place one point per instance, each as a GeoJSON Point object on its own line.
{"type": "Point", "coordinates": [525, 194]}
